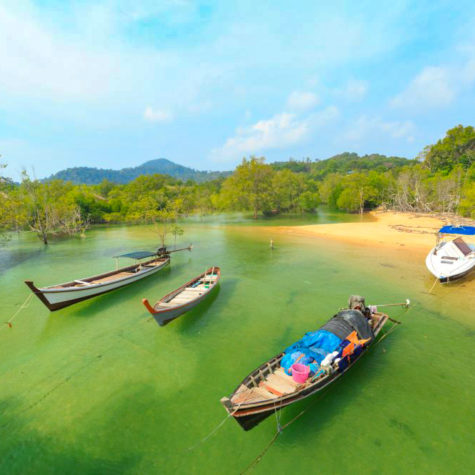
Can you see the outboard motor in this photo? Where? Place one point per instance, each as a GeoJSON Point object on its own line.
{"type": "Point", "coordinates": [357, 302]}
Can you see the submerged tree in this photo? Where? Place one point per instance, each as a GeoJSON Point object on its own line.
{"type": "Point", "coordinates": [49, 209]}
{"type": "Point", "coordinates": [5, 208]}
{"type": "Point", "coordinates": [176, 230]}
{"type": "Point", "coordinates": [163, 224]}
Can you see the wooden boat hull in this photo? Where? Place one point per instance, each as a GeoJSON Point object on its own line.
{"type": "Point", "coordinates": [61, 296]}
{"type": "Point", "coordinates": [250, 415]}
{"type": "Point", "coordinates": [163, 316]}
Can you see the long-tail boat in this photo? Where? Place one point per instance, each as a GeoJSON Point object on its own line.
{"type": "Point", "coordinates": [58, 296]}
{"type": "Point", "coordinates": [269, 388]}
{"type": "Point", "coordinates": [184, 298]}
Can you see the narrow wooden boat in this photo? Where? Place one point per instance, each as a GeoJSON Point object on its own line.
{"type": "Point", "coordinates": [63, 295]}
{"type": "Point", "coordinates": [452, 258]}
{"type": "Point", "coordinates": [184, 298]}
{"type": "Point", "coordinates": [268, 388]}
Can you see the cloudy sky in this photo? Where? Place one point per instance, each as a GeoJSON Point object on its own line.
{"type": "Point", "coordinates": [119, 82]}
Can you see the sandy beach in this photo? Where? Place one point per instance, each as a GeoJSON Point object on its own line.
{"type": "Point", "coordinates": [411, 232]}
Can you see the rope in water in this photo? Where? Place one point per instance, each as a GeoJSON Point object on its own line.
{"type": "Point", "coordinates": [433, 285]}
{"type": "Point", "coordinates": [204, 439]}
{"type": "Point", "coordinates": [279, 431]}
{"type": "Point", "coordinates": [24, 305]}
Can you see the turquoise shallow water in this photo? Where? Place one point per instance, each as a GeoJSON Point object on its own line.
{"type": "Point", "coordinates": [100, 388]}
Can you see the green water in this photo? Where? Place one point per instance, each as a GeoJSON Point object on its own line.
{"type": "Point", "coordinates": [100, 388]}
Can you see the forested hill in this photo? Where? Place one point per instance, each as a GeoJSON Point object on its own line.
{"type": "Point", "coordinates": [345, 163]}
{"type": "Point", "coordinates": [94, 176]}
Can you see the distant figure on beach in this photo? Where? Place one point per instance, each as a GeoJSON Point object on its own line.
{"type": "Point", "coordinates": [272, 244]}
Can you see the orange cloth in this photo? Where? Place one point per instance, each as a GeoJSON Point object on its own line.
{"type": "Point", "coordinates": [354, 343]}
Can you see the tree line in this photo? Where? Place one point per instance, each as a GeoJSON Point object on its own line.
{"type": "Point", "coordinates": [441, 179]}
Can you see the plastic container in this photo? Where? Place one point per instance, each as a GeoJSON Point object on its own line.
{"type": "Point", "coordinates": [300, 372]}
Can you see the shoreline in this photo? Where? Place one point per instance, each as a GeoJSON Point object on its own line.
{"type": "Point", "coordinates": [407, 232]}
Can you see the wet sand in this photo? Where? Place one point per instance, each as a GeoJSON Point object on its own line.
{"type": "Point", "coordinates": [408, 232]}
{"type": "Point", "coordinates": [394, 239]}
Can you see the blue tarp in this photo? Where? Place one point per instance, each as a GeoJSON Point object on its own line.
{"type": "Point", "coordinates": [465, 230]}
{"type": "Point", "coordinates": [315, 345]}
{"type": "Point", "coordinates": [138, 255]}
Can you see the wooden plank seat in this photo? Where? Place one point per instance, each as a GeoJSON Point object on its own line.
{"type": "Point", "coordinates": [280, 373]}
{"type": "Point", "coordinates": [252, 395]}
{"type": "Point", "coordinates": [82, 282]}
{"type": "Point", "coordinates": [120, 275]}
{"type": "Point", "coordinates": [275, 382]}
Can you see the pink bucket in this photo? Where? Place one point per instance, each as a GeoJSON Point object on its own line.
{"type": "Point", "coordinates": [300, 372]}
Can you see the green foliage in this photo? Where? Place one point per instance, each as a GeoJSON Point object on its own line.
{"type": "Point", "coordinates": [49, 208]}
{"type": "Point", "coordinates": [344, 163]}
{"type": "Point", "coordinates": [444, 181]}
{"type": "Point", "coordinates": [457, 148]}
{"type": "Point", "coordinates": [249, 187]}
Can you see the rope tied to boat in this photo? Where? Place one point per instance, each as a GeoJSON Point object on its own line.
{"type": "Point", "coordinates": [24, 305]}
{"type": "Point", "coordinates": [277, 419]}
{"type": "Point", "coordinates": [221, 424]}
{"type": "Point", "coordinates": [279, 431]}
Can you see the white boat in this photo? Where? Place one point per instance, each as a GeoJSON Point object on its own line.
{"type": "Point", "coordinates": [66, 294]}
{"type": "Point", "coordinates": [184, 298]}
{"type": "Point", "coordinates": [452, 258]}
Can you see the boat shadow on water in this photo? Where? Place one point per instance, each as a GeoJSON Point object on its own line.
{"type": "Point", "coordinates": [191, 321]}
{"type": "Point", "coordinates": [194, 320]}
{"type": "Point", "coordinates": [316, 413]}
{"type": "Point", "coordinates": [430, 285]}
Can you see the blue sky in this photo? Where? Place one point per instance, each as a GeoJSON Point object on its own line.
{"type": "Point", "coordinates": [116, 83]}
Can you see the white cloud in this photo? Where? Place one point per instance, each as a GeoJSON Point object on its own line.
{"type": "Point", "coordinates": [433, 87]}
{"type": "Point", "coordinates": [468, 72]}
{"type": "Point", "coordinates": [366, 127]}
{"type": "Point", "coordinates": [354, 90]}
{"type": "Point", "coordinates": [301, 101]}
{"type": "Point", "coordinates": [280, 131]}
{"type": "Point", "coordinates": [157, 115]}
{"type": "Point", "coordinates": [323, 117]}
{"type": "Point", "coordinates": [35, 62]}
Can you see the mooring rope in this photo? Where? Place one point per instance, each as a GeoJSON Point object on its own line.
{"type": "Point", "coordinates": [281, 429]}
{"type": "Point", "coordinates": [22, 307]}
{"type": "Point", "coordinates": [204, 439]}
{"type": "Point", "coordinates": [433, 285]}
{"type": "Point", "coordinates": [221, 424]}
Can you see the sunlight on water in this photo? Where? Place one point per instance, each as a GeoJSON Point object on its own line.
{"type": "Point", "coordinates": [100, 388]}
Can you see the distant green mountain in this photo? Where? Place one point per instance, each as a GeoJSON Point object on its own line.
{"type": "Point", "coordinates": [94, 176]}
{"type": "Point", "coordinates": [345, 163]}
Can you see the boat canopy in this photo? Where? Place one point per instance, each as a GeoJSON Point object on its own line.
{"type": "Point", "coordinates": [465, 230]}
{"type": "Point", "coordinates": [138, 254]}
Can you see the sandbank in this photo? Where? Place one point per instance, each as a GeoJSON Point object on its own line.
{"type": "Point", "coordinates": [411, 232]}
